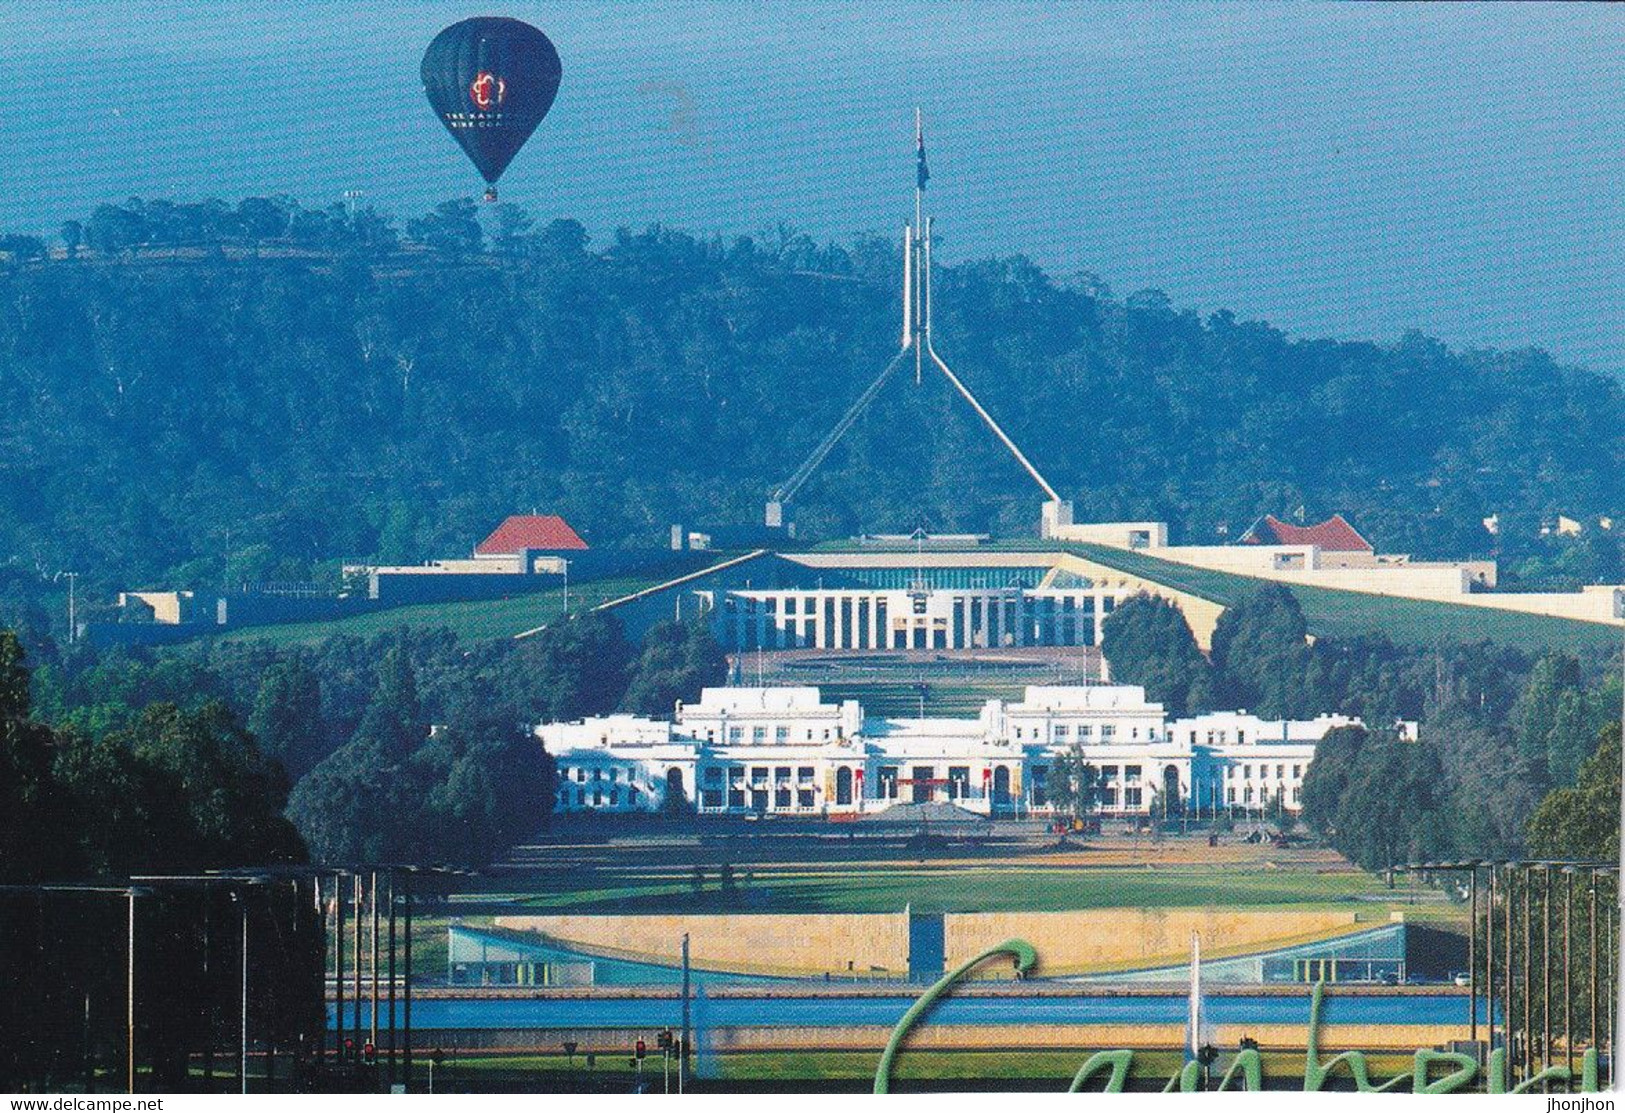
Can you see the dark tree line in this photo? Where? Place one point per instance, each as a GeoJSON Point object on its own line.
{"type": "Point", "coordinates": [409, 747]}
{"type": "Point", "coordinates": [212, 393]}
{"type": "Point", "coordinates": [168, 790]}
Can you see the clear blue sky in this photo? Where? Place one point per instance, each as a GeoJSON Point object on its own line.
{"type": "Point", "coordinates": [1350, 171]}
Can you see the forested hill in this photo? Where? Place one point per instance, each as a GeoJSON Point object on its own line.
{"type": "Point", "coordinates": [206, 394]}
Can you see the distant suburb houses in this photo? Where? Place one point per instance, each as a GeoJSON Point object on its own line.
{"type": "Point", "coordinates": [782, 750]}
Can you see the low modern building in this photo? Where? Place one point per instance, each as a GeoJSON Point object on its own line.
{"type": "Point", "coordinates": [782, 750]}
{"type": "Point", "coordinates": [526, 552]}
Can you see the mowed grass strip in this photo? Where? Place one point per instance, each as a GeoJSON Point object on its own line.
{"type": "Point", "coordinates": [1150, 1069]}
{"type": "Point", "coordinates": [484, 619]}
{"type": "Point", "coordinates": [1340, 614]}
{"type": "Point", "coordinates": [960, 890]}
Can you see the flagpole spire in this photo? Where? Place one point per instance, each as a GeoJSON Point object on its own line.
{"type": "Point", "coordinates": [919, 250]}
{"type": "Point", "coordinates": [920, 173]}
{"type": "Point", "coordinates": [916, 334]}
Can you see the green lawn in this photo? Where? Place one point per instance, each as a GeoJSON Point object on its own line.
{"type": "Point", "coordinates": [1333, 613]}
{"type": "Point", "coordinates": [1150, 1070]}
{"type": "Point", "coordinates": [958, 889]}
{"type": "Point", "coordinates": [482, 619]}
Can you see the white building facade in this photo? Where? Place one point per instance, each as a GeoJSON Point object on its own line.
{"type": "Point", "coordinates": [912, 618]}
{"type": "Point", "coordinates": [781, 750]}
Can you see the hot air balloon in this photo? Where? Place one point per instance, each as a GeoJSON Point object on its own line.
{"type": "Point", "coordinates": [491, 80]}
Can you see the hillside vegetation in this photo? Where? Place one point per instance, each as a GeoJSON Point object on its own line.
{"type": "Point", "coordinates": [205, 395]}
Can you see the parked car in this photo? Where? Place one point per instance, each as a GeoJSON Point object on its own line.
{"type": "Point", "coordinates": [1462, 978]}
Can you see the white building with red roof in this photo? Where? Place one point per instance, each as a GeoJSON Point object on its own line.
{"type": "Point", "coordinates": [513, 558]}
{"type": "Point", "coordinates": [1334, 535]}
{"type": "Point", "coordinates": [536, 533]}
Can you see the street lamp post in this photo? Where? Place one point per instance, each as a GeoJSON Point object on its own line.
{"type": "Point", "coordinates": [1619, 888]}
{"type": "Point", "coordinates": [374, 959]}
{"type": "Point", "coordinates": [1489, 959]}
{"type": "Point", "coordinates": [1591, 953]}
{"type": "Point", "coordinates": [392, 1047]}
{"type": "Point", "coordinates": [1472, 953]}
{"type": "Point", "coordinates": [1546, 972]}
{"type": "Point", "coordinates": [356, 910]}
{"type": "Point", "coordinates": [1568, 968]}
{"type": "Point", "coordinates": [1507, 1037]}
{"type": "Point", "coordinates": [242, 1064]}
{"type": "Point", "coordinates": [129, 1001]}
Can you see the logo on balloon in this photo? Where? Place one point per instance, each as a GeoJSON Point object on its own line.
{"type": "Point", "coordinates": [487, 91]}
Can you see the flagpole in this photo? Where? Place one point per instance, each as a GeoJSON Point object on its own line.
{"type": "Point", "coordinates": [914, 246]}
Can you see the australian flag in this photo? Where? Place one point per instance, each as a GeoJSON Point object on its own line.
{"type": "Point", "coordinates": [922, 173]}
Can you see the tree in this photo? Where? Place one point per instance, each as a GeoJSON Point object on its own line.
{"type": "Point", "coordinates": [513, 228]}
{"type": "Point", "coordinates": [1555, 720]}
{"type": "Point", "coordinates": [232, 793]}
{"type": "Point", "coordinates": [1375, 798]}
{"type": "Point", "coordinates": [678, 660]}
{"type": "Point", "coordinates": [360, 801]}
{"type": "Point", "coordinates": [462, 791]}
{"type": "Point", "coordinates": [287, 716]}
{"type": "Point", "coordinates": [22, 247]}
{"type": "Point", "coordinates": [34, 818]}
{"type": "Point", "coordinates": [1488, 789]}
{"type": "Point", "coordinates": [1072, 785]}
{"type": "Point", "coordinates": [574, 668]}
{"type": "Point", "coordinates": [453, 227]}
{"type": "Point", "coordinates": [1583, 821]}
{"type": "Point", "coordinates": [1148, 642]}
{"type": "Point", "coordinates": [1261, 655]}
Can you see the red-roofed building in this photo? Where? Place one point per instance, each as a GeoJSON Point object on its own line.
{"type": "Point", "coordinates": [546, 533]}
{"type": "Point", "coordinates": [1334, 535]}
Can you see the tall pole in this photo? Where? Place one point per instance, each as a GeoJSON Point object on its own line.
{"type": "Point", "coordinates": [1472, 955]}
{"type": "Point", "coordinates": [355, 896]}
{"type": "Point", "coordinates": [338, 966]}
{"type": "Point", "coordinates": [129, 1000]}
{"type": "Point", "coordinates": [682, 1054]}
{"type": "Point", "coordinates": [374, 961]}
{"type": "Point", "coordinates": [1489, 959]}
{"type": "Point", "coordinates": [1619, 877]}
{"type": "Point", "coordinates": [406, 989]}
{"type": "Point", "coordinates": [242, 1062]}
{"type": "Point", "coordinates": [1528, 986]}
{"type": "Point", "coordinates": [1611, 1020]}
{"type": "Point", "coordinates": [208, 979]}
{"type": "Point", "coordinates": [1591, 952]}
{"type": "Point", "coordinates": [1507, 1038]}
{"type": "Point", "coordinates": [392, 1020]}
{"type": "Point", "coordinates": [320, 911]}
{"type": "Point", "coordinates": [914, 247]}
{"type": "Point", "coordinates": [1568, 967]}
{"type": "Point", "coordinates": [1546, 972]}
